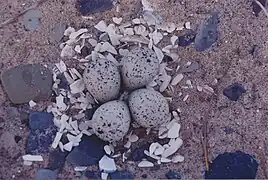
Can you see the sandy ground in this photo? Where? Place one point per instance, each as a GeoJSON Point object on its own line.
{"type": "Point", "coordinates": [228, 61]}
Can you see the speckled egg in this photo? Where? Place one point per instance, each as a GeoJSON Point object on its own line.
{"type": "Point", "coordinates": [149, 108]}
{"type": "Point", "coordinates": [139, 67]}
{"type": "Point", "coordinates": [102, 80]}
{"type": "Point", "coordinates": [111, 121]}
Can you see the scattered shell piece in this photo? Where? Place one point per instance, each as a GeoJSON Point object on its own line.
{"type": "Point", "coordinates": [111, 58]}
{"type": "Point", "coordinates": [172, 149]}
{"type": "Point", "coordinates": [68, 146]}
{"type": "Point", "coordinates": [165, 160]}
{"type": "Point", "coordinates": [107, 47]}
{"type": "Point", "coordinates": [162, 130]}
{"type": "Point", "coordinates": [75, 34]}
{"type": "Point", "coordinates": [115, 38]}
{"type": "Point", "coordinates": [67, 52]}
{"type": "Point", "coordinates": [60, 103]}
{"type": "Point", "coordinates": [104, 176]}
{"type": "Point", "coordinates": [107, 149]}
{"type": "Point", "coordinates": [80, 168]}
{"type": "Point", "coordinates": [199, 88]}
{"type": "Point", "coordinates": [185, 98]}
{"type": "Point", "coordinates": [140, 30]}
{"type": "Point", "coordinates": [166, 146]}
{"type": "Point", "coordinates": [173, 121]}
{"type": "Point", "coordinates": [145, 163]}
{"type": "Point", "coordinates": [61, 66]}
{"type": "Point", "coordinates": [177, 158]}
{"type": "Point", "coordinates": [173, 132]}
{"type": "Point", "coordinates": [61, 146]}
{"type": "Point", "coordinates": [93, 42]}
{"type": "Point", "coordinates": [165, 84]}
{"type": "Point", "coordinates": [123, 52]}
{"type": "Point", "coordinates": [128, 31]}
{"type": "Point", "coordinates": [159, 150]}
{"type": "Point", "coordinates": [32, 158]}
{"type": "Point", "coordinates": [153, 147]}
{"type": "Point", "coordinates": [127, 145]}
{"type": "Point", "coordinates": [77, 86]}
{"type": "Point", "coordinates": [117, 20]}
{"type": "Point", "coordinates": [133, 138]}
{"type": "Point", "coordinates": [176, 79]}
{"type": "Point", "coordinates": [27, 163]}
{"type": "Point", "coordinates": [107, 164]}
{"type": "Point", "coordinates": [188, 25]}
{"type": "Point", "coordinates": [151, 155]}
{"type": "Point", "coordinates": [68, 31]}
{"type": "Point", "coordinates": [56, 140]}
{"type": "Point", "coordinates": [32, 104]}
{"type": "Point", "coordinates": [189, 83]}
{"type": "Point", "coordinates": [207, 89]}
{"type": "Point", "coordinates": [158, 53]}
{"type": "Point", "coordinates": [101, 26]}
{"type": "Point", "coordinates": [156, 36]}
{"type": "Point", "coordinates": [136, 21]}
{"type": "Point", "coordinates": [77, 48]}
{"type": "Point", "coordinates": [173, 39]}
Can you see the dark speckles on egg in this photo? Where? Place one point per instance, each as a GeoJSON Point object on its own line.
{"type": "Point", "coordinates": [139, 67]}
{"type": "Point", "coordinates": [103, 82]}
{"type": "Point", "coordinates": [149, 108]}
{"type": "Point", "coordinates": [114, 123]}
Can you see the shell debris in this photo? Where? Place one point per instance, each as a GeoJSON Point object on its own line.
{"type": "Point", "coordinates": [145, 164]}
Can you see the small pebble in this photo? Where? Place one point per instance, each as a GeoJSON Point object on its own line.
{"type": "Point", "coordinates": [92, 174]}
{"type": "Point", "coordinates": [87, 7]}
{"type": "Point", "coordinates": [186, 39]}
{"type": "Point", "coordinates": [45, 174]}
{"type": "Point", "coordinates": [234, 91]}
{"type": "Point", "coordinates": [173, 175]}
{"type": "Point", "coordinates": [122, 175]}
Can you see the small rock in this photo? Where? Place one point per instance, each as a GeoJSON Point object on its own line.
{"type": "Point", "coordinates": [34, 82]}
{"type": "Point", "coordinates": [92, 174]}
{"type": "Point", "coordinates": [7, 142]}
{"type": "Point", "coordinates": [89, 113]}
{"type": "Point", "coordinates": [45, 174]}
{"type": "Point", "coordinates": [121, 175]}
{"type": "Point", "coordinates": [144, 176]}
{"type": "Point", "coordinates": [40, 121]}
{"type": "Point", "coordinates": [84, 154]}
{"type": "Point", "coordinates": [234, 91]}
{"type": "Point", "coordinates": [173, 175]}
{"type": "Point", "coordinates": [207, 33]}
{"type": "Point", "coordinates": [138, 153]}
{"type": "Point", "coordinates": [228, 130]}
{"type": "Point", "coordinates": [85, 51]}
{"type": "Point", "coordinates": [188, 69]}
{"type": "Point", "coordinates": [256, 8]}
{"type": "Point", "coordinates": [56, 159]}
{"type": "Point", "coordinates": [92, 6]}
{"type": "Point", "coordinates": [31, 19]}
{"type": "Point", "coordinates": [235, 165]}
{"type": "Point", "coordinates": [167, 59]}
{"type": "Point", "coordinates": [64, 84]}
{"type": "Point", "coordinates": [17, 139]}
{"type": "Point", "coordinates": [186, 39]}
{"type": "Point", "coordinates": [57, 32]}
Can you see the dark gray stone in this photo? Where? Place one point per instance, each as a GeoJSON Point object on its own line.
{"type": "Point", "coordinates": [56, 159]}
{"type": "Point", "coordinates": [31, 19]}
{"type": "Point", "coordinates": [40, 120]}
{"type": "Point", "coordinates": [173, 175]}
{"type": "Point", "coordinates": [27, 82]}
{"type": "Point", "coordinates": [89, 151]}
{"type": "Point", "coordinates": [121, 175]}
{"type": "Point", "coordinates": [92, 6]}
{"type": "Point", "coordinates": [234, 91]}
{"type": "Point", "coordinates": [42, 132]}
{"type": "Point", "coordinates": [186, 39]}
{"type": "Point", "coordinates": [45, 174]}
{"type": "Point", "coordinates": [207, 33]}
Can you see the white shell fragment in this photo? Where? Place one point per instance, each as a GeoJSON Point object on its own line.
{"type": "Point", "coordinates": [32, 104]}
{"type": "Point", "coordinates": [68, 146]}
{"type": "Point", "coordinates": [177, 159]}
{"type": "Point", "coordinates": [80, 168]}
{"type": "Point", "coordinates": [101, 26]}
{"type": "Point", "coordinates": [56, 140]}
{"type": "Point", "coordinates": [32, 158]}
{"type": "Point", "coordinates": [133, 138]}
{"type": "Point", "coordinates": [158, 53]}
{"type": "Point", "coordinates": [188, 25]}
{"type": "Point", "coordinates": [173, 148]}
{"type": "Point", "coordinates": [176, 79]}
{"type": "Point", "coordinates": [77, 86]}
{"type": "Point", "coordinates": [165, 84]}
{"type": "Point", "coordinates": [117, 20]}
{"type": "Point", "coordinates": [107, 164]}
{"type": "Point", "coordinates": [107, 149]}
{"type": "Point", "coordinates": [27, 163]}
{"type": "Point", "coordinates": [165, 160]}
{"type": "Point", "coordinates": [159, 150]}
{"type": "Point", "coordinates": [173, 132]}
{"type": "Point", "coordinates": [145, 163]}
{"type": "Point", "coordinates": [153, 147]}
{"type": "Point", "coordinates": [75, 34]}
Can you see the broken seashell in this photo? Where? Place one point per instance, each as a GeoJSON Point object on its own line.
{"type": "Point", "coordinates": [117, 20]}
{"type": "Point", "coordinates": [177, 158]}
{"type": "Point", "coordinates": [145, 163]}
{"type": "Point", "coordinates": [172, 149]}
{"type": "Point", "coordinates": [176, 79]}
